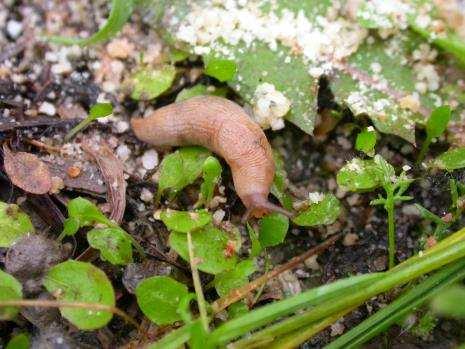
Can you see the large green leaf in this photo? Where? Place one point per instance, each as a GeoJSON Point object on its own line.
{"type": "Point", "coordinates": [75, 281]}
{"type": "Point", "coordinates": [210, 247]}
{"type": "Point", "coordinates": [375, 83]}
{"type": "Point", "coordinates": [158, 298]}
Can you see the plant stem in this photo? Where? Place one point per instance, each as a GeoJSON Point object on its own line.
{"type": "Point", "coordinates": [79, 127]}
{"type": "Point", "coordinates": [197, 284]}
{"type": "Point", "coordinates": [389, 206]}
{"type": "Point", "coordinates": [424, 150]}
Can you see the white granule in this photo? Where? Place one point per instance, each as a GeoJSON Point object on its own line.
{"type": "Point", "coordinates": [123, 152]}
{"type": "Point", "coordinates": [146, 195]}
{"type": "Point", "coordinates": [406, 168]}
{"type": "Point", "coordinates": [47, 109]}
{"type": "Point", "coordinates": [150, 159]}
{"type": "Point", "coordinates": [14, 28]}
{"type": "Point", "coordinates": [121, 126]}
{"type": "Point", "coordinates": [370, 129]}
{"type": "Point", "coordinates": [376, 67]}
{"type": "Point", "coordinates": [316, 197]}
{"type": "Point", "coordinates": [220, 24]}
{"type": "Point", "coordinates": [355, 165]}
{"type": "Point", "coordinates": [218, 216]}
{"type": "Point", "coordinates": [426, 74]}
{"type": "Point", "coordinates": [269, 106]}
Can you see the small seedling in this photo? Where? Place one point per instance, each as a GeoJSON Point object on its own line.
{"type": "Point", "coordinates": [97, 111]}
{"type": "Point", "coordinates": [360, 175]}
{"type": "Point", "coordinates": [366, 141]}
{"type": "Point", "coordinates": [435, 127]}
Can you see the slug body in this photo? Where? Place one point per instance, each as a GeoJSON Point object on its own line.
{"type": "Point", "coordinates": [223, 127]}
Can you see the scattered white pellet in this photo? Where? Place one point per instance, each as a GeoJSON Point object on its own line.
{"type": "Point", "coordinates": [14, 28]}
{"type": "Point", "coordinates": [150, 159]}
{"type": "Point", "coordinates": [123, 152]}
{"type": "Point", "coordinates": [146, 195]}
{"type": "Point", "coordinates": [47, 108]}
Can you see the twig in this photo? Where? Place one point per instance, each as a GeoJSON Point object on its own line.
{"type": "Point", "coordinates": [49, 148]}
{"type": "Point", "coordinates": [197, 284]}
{"type": "Point", "coordinates": [239, 293]}
{"type": "Point", "coordinates": [64, 304]}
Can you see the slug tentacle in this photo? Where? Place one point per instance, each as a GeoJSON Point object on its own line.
{"type": "Point", "coordinates": [225, 128]}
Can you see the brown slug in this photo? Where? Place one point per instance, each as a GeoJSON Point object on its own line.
{"type": "Point", "coordinates": [223, 127]}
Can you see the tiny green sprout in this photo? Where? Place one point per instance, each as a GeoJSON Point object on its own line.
{"type": "Point", "coordinates": [366, 141]}
{"type": "Point", "coordinates": [435, 127]}
{"type": "Point", "coordinates": [97, 111]}
{"type": "Point", "coordinates": [360, 175]}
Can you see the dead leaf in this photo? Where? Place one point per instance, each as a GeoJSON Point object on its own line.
{"type": "Point", "coordinates": [27, 171]}
{"type": "Point", "coordinates": [89, 179]}
{"type": "Point", "coordinates": [113, 173]}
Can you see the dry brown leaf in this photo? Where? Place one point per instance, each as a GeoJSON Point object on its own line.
{"type": "Point", "coordinates": [27, 171]}
{"type": "Point", "coordinates": [113, 173]}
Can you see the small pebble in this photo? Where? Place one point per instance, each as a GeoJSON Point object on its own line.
{"type": "Point", "coordinates": [122, 126]}
{"type": "Point", "coordinates": [47, 109]}
{"type": "Point", "coordinates": [350, 239]}
{"type": "Point", "coordinates": [14, 29]}
{"type": "Point", "coordinates": [150, 159]}
{"type": "Point", "coordinates": [218, 216]}
{"type": "Point", "coordinates": [337, 329]}
{"type": "Point", "coordinates": [146, 195]}
{"type": "Point", "coordinates": [123, 152]}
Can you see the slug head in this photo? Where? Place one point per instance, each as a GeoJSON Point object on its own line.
{"type": "Point", "coordinates": [258, 206]}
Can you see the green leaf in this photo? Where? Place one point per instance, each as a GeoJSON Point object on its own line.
{"type": "Point", "coordinates": [74, 281]}
{"type": "Point", "coordinates": [211, 171]}
{"type": "Point", "coordinates": [149, 83]}
{"type": "Point", "coordinates": [186, 93]}
{"type": "Point", "coordinates": [323, 212]}
{"type": "Point", "coordinates": [120, 12]}
{"type": "Point", "coordinates": [449, 302]}
{"type": "Point", "coordinates": [100, 110]}
{"type": "Point", "coordinates": [181, 168]}
{"type": "Point", "coordinates": [158, 298]}
{"type": "Point", "coordinates": [178, 55]}
{"type": "Point", "coordinates": [14, 224]}
{"type": "Point", "coordinates": [437, 122]}
{"type": "Point", "coordinates": [278, 189]}
{"type": "Point", "coordinates": [70, 226]}
{"type": "Point", "coordinates": [201, 90]}
{"type": "Point", "coordinates": [184, 222]}
{"type": "Point", "coordinates": [366, 142]}
{"type": "Point", "coordinates": [356, 88]}
{"type": "Point", "coordinates": [237, 309]}
{"type": "Point", "coordinates": [234, 278]}
{"type": "Point", "coordinates": [19, 341]}
{"type": "Point", "coordinates": [97, 111]}
{"type": "Point", "coordinates": [221, 69]}
{"type": "Point", "coordinates": [451, 160]}
{"type": "Point", "coordinates": [360, 175]}
{"type": "Point", "coordinates": [10, 289]}
{"type": "Point", "coordinates": [86, 213]}
{"type": "Point", "coordinates": [273, 229]}
{"type": "Point", "coordinates": [210, 245]}
{"type": "Point", "coordinates": [114, 245]}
